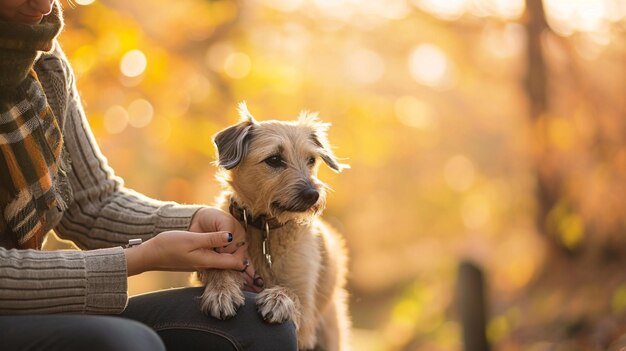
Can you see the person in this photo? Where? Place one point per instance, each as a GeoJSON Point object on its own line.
{"type": "Point", "coordinates": [54, 177]}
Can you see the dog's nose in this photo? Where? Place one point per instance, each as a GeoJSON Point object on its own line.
{"type": "Point", "coordinates": [310, 196]}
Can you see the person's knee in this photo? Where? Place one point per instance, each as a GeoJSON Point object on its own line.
{"type": "Point", "coordinates": [278, 336]}
{"type": "Point", "coordinates": [268, 336]}
{"type": "Point", "coordinates": [114, 333]}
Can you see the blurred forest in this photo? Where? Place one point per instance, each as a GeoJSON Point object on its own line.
{"type": "Point", "coordinates": [483, 130]}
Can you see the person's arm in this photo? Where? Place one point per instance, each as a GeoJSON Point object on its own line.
{"type": "Point", "coordinates": [42, 282]}
{"type": "Point", "coordinates": [95, 281]}
{"type": "Point", "coordinates": [104, 213]}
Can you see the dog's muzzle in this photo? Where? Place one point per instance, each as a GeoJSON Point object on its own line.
{"type": "Point", "coordinates": [309, 197]}
{"type": "Point", "coordinates": [306, 199]}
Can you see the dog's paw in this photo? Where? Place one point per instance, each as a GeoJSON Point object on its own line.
{"type": "Point", "coordinates": [307, 341]}
{"type": "Point", "coordinates": [275, 305]}
{"type": "Point", "coordinates": [221, 304]}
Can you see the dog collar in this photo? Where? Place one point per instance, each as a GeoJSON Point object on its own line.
{"type": "Point", "coordinates": [261, 222]}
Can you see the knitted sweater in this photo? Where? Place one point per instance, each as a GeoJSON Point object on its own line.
{"type": "Point", "coordinates": [101, 218]}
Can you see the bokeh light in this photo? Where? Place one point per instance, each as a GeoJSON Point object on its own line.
{"type": "Point", "coordinates": [140, 113]}
{"type": "Point", "coordinates": [430, 66]}
{"type": "Point", "coordinates": [115, 119]}
{"type": "Point", "coordinates": [84, 2]}
{"type": "Point", "coordinates": [133, 63]}
{"type": "Point", "coordinates": [449, 10]}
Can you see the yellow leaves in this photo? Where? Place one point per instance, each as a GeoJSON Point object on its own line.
{"type": "Point", "coordinates": [556, 132]}
{"type": "Point", "coordinates": [497, 329]}
{"type": "Point", "coordinates": [567, 224]}
{"type": "Point", "coordinates": [476, 211]}
{"type": "Point", "coordinates": [618, 302]}
{"type": "Point", "coordinates": [418, 311]}
{"type": "Point", "coordinates": [561, 133]}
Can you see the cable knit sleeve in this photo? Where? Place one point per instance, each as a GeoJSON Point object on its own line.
{"type": "Point", "coordinates": [43, 282]}
{"type": "Point", "coordinates": [104, 213]}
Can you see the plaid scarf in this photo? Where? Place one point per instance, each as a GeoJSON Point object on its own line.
{"type": "Point", "coordinates": [30, 137]}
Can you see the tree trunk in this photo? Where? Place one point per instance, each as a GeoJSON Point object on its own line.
{"type": "Point", "coordinates": [546, 191]}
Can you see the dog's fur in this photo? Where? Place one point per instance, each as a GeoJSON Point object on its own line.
{"type": "Point", "coordinates": [307, 277]}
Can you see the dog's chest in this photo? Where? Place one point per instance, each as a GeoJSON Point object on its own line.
{"type": "Point", "coordinates": [295, 255]}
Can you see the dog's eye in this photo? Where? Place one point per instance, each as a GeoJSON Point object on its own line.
{"type": "Point", "coordinates": [311, 161]}
{"type": "Point", "coordinates": [274, 161]}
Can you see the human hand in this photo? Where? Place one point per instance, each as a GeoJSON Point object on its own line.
{"type": "Point", "coordinates": [185, 252]}
{"type": "Point", "coordinates": [210, 219]}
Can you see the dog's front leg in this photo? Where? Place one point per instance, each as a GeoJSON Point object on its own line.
{"type": "Point", "coordinates": [307, 333]}
{"type": "Point", "coordinates": [223, 293]}
{"type": "Point", "coordinates": [277, 304]}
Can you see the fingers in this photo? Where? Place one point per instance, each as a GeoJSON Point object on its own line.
{"type": "Point", "coordinates": [239, 234]}
{"type": "Point", "coordinates": [252, 281]}
{"type": "Point", "coordinates": [211, 219]}
{"type": "Point", "coordinates": [225, 222]}
{"type": "Point", "coordinates": [211, 240]}
{"type": "Point", "coordinates": [231, 248]}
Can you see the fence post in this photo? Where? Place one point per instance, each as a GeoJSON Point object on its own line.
{"type": "Point", "coordinates": [472, 307]}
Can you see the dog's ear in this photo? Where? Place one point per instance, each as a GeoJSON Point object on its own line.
{"type": "Point", "coordinates": [245, 115]}
{"type": "Point", "coordinates": [326, 153]}
{"type": "Point", "coordinates": [320, 139]}
{"type": "Point", "coordinates": [232, 143]}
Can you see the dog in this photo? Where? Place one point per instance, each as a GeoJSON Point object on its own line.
{"type": "Point", "coordinates": [269, 172]}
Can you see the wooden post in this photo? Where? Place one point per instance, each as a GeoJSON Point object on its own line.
{"type": "Point", "coordinates": [472, 307]}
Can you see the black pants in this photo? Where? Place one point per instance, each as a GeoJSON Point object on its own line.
{"type": "Point", "coordinates": [164, 320]}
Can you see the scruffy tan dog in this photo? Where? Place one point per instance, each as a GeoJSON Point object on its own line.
{"type": "Point", "coordinates": [269, 172]}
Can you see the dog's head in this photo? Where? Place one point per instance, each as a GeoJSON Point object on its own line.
{"type": "Point", "coordinates": [272, 166]}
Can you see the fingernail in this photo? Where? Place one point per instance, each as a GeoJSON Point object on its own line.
{"type": "Point", "coordinates": [258, 281]}
{"type": "Point", "coordinates": [230, 237]}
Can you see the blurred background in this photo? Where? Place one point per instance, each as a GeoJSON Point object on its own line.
{"type": "Point", "coordinates": [483, 130]}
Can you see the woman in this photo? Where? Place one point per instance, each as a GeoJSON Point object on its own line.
{"type": "Point", "coordinates": [53, 176]}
